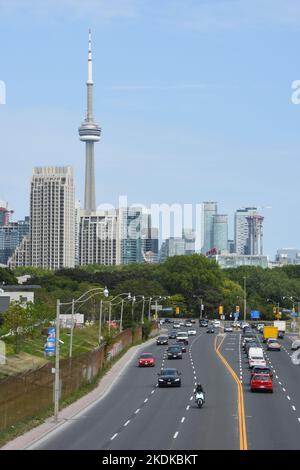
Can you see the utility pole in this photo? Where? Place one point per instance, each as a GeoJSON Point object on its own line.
{"type": "Point", "coordinates": [149, 311]}
{"type": "Point", "coordinates": [56, 381]}
{"type": "Point", "coordinates": [201, 308]}
{"type": "Point", "coordinates": [245, 299]}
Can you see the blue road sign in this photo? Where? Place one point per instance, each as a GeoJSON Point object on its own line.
{"type": "Point", "coordinates": [167, 309]}
{"type": "Point", "coordinates": [255, 314]}
{"type": "Point", "coordinates": [236, 314]}
{"type": "Point", "coordinates": [294, 314]}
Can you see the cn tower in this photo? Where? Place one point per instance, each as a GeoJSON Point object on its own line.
{"type": "Point", "coordinates": [89, 132]}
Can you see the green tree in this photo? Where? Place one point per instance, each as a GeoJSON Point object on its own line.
{"type": "Point", "coordinates": [16, 320]}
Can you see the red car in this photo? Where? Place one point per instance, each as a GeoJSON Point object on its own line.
{"type": "Point", "coordinates": [146, 360]}
{"type": "Point", "coordinates": [261, 382]}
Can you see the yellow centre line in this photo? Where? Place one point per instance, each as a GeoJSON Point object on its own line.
{"type": "Point", "coordinates": [241, 406]}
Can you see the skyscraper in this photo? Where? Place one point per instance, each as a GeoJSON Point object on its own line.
{"type": "Point", "coordinates": [241, 229]}
{"type": "Point", "coordinates": [89, 133]}
{"type": "Point", "coordinates": [255, 238]}
{"type": "Point", "coordinates": [209, 209]}
{"type": "Point", "coordinates": [11, 236]}
{"type": "Point", "coordinates": [220, 233]}
{"type": "Point", "coordinates": [99, 238]}
{"type": "Point", "coordinates": [52, 229]}
{"type": "Point", "coordinates": [5, 213]}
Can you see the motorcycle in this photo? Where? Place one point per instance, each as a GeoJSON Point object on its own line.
{"type": "Point", "coordinates": [199, 399]}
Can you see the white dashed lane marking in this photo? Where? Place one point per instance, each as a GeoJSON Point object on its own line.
{"type": "Point", "coordinates": [127, 422]}
{"type": "Point", "coordinates": [114, 436]}
{"type": "Point", "coordinates": [137, 411]}
{"type": "Point", "coordinates": [294, 408]}
{"type": "Point", "coordinates": [182, 419]}
{"type": "Point", "coordinates": [187, 408]}
{"type": "Point", "coordinates": [175, 435]}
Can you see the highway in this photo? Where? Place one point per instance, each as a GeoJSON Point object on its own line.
{"type": "Point", "coordinates": [136, 414]}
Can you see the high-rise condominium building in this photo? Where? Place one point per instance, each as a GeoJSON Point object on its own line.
{"type": "Point", "coordinates": [131, 224]}
{"type": "Point", "coordinates": [11, 236]}
{"type": "Point", "coordinates": [220, 233]}
{"type": "Point", "coordinates": [189, 237]}
{"type": "Point", "coordinates": [5, 213]}
{"type": "Point", "coordinates": [172, 246]}
{"type": "Point", "coordinates": [241, 229]}
{"type": "Point", "coordinates": [99, 238]}
{"type": "Point", "coordinates": [209, 209]}
{"type": "Point", "coordinates": [52, 229]}
{"type": "Point", "coordinates": [149, 234]}
{"type": "Point", "coordinates": [255, 239]}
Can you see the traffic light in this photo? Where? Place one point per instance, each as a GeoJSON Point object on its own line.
{"type": "Point", "coordinates": [177, 311]}
{"type": "Point", "coordinates": [220, 309]}
{"type": "Point", "coordinates": [237, 309]}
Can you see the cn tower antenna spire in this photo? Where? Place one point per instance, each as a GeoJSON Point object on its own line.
{"type": "Point", "coordinates": [89, 132]}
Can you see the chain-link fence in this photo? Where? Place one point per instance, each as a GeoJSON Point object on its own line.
{"type": "Point", "coordinates": [25, 395]}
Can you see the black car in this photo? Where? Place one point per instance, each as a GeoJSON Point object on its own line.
{"type": "Point", "coordinates": [162, 340]}
{"type": "Point", "coordinates": [210, 329]}
{"type": "Point", "coordinates": [172, 334]}
{"type": "Point", "coordinates": [180, 345]}
{"type": "Point", "coordinates": [169, 378]}
{"type": "Point", "coordinates": [174, 352]}
{"type": "Point", "coordinates": [203, 323]}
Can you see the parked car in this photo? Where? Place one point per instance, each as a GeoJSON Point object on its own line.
{"type": "Point", "coordinates": [273, 344]}
{"type": "Point", "coordinates": [295, 345]}
{"type": "Point", "coordinates": [169, 378]}
{"type": "Point", "coordinates": [162, 340]}
{"type": "Point", "coordinates": [146, 360]}
{"type": "Point", "coordinates": [261, 382]}
{"type": "Point", "coordinates": [174, 352]}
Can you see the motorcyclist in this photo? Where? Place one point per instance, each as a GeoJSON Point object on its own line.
{"type": "Point", "coordinates": [199, 389]}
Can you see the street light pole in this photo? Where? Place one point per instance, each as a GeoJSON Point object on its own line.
{"type": "Point", "coordinates": [149, 311]}
{"type": "Point", "coordinates": [143, 309]}
{"type": "Point", "coordinates": [121, 317]}
{"type": "Point", "coordinates": [56, 381]}
{"type": "Point", "coordinates": [245, 299]}
{"type": "Point", "coordinates": [201, 305]}
{"type": "Point", "coordinates": [109, 317]}
{"type": "Point", "coordinates": [100, 321]}
{"type": "Point", "coordinates": [72, 329]}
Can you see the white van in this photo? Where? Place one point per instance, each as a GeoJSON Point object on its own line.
{"type": "Point", "coordinates": [256, 357]}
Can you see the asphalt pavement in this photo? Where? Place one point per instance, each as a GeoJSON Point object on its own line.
{"type": "Point", "coordinates": [136, 414]}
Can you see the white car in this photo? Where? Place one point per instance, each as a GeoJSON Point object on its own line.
{"type": "Point", "coordinates": [192, 332]}
{"type": "Point", "coordinates": [188, 324]}
{"type": "Point", "coordinates": [176, 325]}
{"type": "Point", "coordinates": [295, 345]}
{"type": "Point", "coordinates": [228, 329]}
{"type": "Point", "coordinates": [217, 323]}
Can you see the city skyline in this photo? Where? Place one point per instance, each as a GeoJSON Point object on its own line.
{"type": "Point", "coordinates": [207, 123]}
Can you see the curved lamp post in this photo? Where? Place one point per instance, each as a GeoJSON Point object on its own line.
{"type": "Point", "coordinates": [82, 299]}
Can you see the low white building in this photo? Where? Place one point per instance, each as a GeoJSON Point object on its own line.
{"type": "Point", "coordinates": [232, 260]}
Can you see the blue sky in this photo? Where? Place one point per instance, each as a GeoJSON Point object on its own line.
{"type": "Point", "coordinates": [193, 97]}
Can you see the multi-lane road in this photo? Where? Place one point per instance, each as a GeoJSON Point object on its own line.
{"type": "Point", "coordinates": [136, 414]}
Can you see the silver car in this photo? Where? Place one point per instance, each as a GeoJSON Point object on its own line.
{"type": "Point", "coordinates": [273, 345]}
{"type": "Point", "coordinates": [295, 345]}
